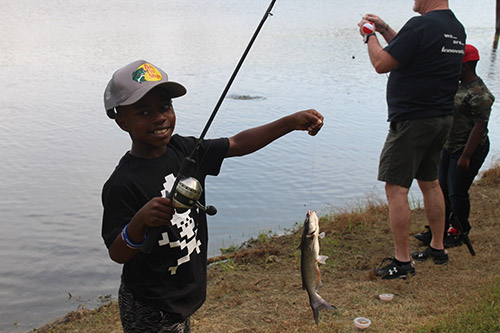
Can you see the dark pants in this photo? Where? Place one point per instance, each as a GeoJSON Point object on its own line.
{"type": "Point", "coordinates": [138, 317]}
{"type": "Point", "coordinates": [455, 183]}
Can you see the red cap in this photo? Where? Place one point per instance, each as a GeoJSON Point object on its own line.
{"type": "Point", "coordinates": [471, 53]}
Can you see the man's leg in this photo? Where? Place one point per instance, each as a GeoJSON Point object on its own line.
{"type": "Point", "coordinates": [434, 211]}
{"type": "Point", "coordinates": [445, 170]}
{"type": "Point", "coordinates": [399, 218]}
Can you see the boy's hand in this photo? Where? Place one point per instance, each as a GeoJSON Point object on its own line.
{"type": "Point", "coordinates": [158, 211]}
{"type": "Point", "coordinates": [463, 163]}
{"type": "Point", "coordinates": [308, 120]}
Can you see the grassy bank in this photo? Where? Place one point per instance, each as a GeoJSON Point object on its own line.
{"type": "Point", "coordinates": [259, 289]}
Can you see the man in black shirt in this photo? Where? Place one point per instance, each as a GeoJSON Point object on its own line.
{"type": "Point", "coordinates": [424, 60]}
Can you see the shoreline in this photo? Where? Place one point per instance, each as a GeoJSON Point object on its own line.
{"type": "Point", "coordinates": [258, 289]}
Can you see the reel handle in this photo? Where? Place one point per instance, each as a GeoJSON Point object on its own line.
{"type": "Point", "coordinates": [209, 210]}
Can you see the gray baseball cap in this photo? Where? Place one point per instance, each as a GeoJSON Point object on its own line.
{"type": "Point", "coordinates": [130, 83]}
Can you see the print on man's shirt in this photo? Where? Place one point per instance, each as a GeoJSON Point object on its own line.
{"type": "Point", "coordinates": [455, 41]}
{"type": "Point", "coordinates": [188, 231]}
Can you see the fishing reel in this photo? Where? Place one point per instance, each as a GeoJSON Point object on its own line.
{"type": "Point", "coordinates": [186, 195]}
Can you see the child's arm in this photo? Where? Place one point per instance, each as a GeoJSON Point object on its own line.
{"type": "Point", "coordinates": [473, 141]}
{"type": "Point", "coordinates": [158, 211]}
{"type": "Point", "coordinates": [253, 139]}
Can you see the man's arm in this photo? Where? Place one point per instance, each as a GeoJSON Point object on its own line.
{"type": "Point", "coordinates": [381, 60]}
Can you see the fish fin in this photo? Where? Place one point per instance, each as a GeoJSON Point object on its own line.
{"type": "Point", "coordinates": [318, 279]}
{"type": "Point", "coordinates": [322, 235]}
{"type": "Point", "coordinates": [318, 303]}
{"type": "Point", "coordinates": [321, 259]}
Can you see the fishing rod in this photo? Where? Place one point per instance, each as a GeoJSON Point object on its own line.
{"type": "Point", "coordinates": [187, 190]}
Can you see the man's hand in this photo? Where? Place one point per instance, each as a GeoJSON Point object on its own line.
{"type": "Point", "coordinates": [380, 25]}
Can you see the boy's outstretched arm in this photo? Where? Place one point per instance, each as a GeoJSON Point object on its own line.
{"type": "Point", "coordinates": [253, 139]}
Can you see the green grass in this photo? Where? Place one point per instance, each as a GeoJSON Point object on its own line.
{"type": "Point", "coordinates": [483, 317]}
{"type": "Point", "coordinates": [229, 265]}
{"type": "Point", "coordinates": [227, 250]}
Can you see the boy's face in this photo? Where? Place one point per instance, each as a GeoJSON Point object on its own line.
{"type": "Point", "coordinates": [150, 123]}
{"type": "Point", "coordinates": [468, 68]}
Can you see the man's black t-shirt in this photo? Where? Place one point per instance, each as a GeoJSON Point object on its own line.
{"type": "Point", "coordinates": [429, 49]}
{"type": "Point", "coordinates": [173, 277]}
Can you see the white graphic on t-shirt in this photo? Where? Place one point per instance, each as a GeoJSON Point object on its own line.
{"type": "Point", "coordinates": [455, 41]}
{"type": "Point", "coordinates": [188, 233]}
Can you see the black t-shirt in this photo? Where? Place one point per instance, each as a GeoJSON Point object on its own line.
{"type": "Point", "coordinates": [429, 49]}
{"type": "Point", "coordinates": [173, 277]}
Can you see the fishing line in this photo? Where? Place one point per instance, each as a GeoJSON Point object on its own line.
{"type": "Point", "coordinates": [312, 171]}
{"type": "Point", "coordinates": [229, 102]}
{"type": "Point", "coordinates": [191, 188]}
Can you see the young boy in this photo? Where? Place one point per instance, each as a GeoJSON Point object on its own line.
{"type": "Point", "coordinates": [161, 290]}
{"type": "Point", "coordinates": [466, 147]}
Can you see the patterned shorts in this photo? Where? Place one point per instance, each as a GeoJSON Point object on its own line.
{"type": "Point", "coordinates": [137, 317]}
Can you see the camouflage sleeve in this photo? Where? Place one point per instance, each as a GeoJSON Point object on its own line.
{"type": "Point", "coordinates": [480, 106]}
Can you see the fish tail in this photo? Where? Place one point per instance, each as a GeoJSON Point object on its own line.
{"type": "Point", "coordinates": [317, 304]}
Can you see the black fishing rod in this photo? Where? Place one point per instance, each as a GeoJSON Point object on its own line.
{"type": "Point", "coordinates": [187, 190]}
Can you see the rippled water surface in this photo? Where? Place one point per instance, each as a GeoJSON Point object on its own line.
{"type": "Point", "coordinates": [58, 147]}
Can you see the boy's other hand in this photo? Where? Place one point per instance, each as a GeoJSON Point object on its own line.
{"type": "Point", "coordinates": [309, 120]}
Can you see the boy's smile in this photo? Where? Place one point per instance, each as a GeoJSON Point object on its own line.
{"type": "Point", "coordinates": [150, 123]}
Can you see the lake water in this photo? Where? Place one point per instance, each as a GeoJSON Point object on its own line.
{"type": "Point", "coordinates": [58, 147]}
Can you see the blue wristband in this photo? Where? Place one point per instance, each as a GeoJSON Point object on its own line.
{"type": "Point", "coordinates": [127, 241]}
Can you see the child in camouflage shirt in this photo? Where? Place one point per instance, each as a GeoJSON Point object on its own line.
{"type": "Point", "coordinates": [467, 146]}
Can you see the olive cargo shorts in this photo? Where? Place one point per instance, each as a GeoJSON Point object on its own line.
{"type": "Point", "coordinates": [413, 150]}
